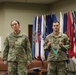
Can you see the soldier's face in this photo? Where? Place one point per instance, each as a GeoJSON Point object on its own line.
{"type": "Point", "coordinates": [56, 27]}
{"type": "Point", "coordinates": [15, 26]}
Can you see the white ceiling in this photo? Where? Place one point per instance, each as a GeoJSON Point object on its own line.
{"type": "Point", "coordinates": [31, 1]}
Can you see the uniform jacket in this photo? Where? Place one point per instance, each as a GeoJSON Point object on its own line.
{"type": "Point", "coordinates": [54, 47]}
{"type": "Point", "coordinates": [17, 48]}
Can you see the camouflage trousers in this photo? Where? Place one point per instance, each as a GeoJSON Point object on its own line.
{"type": "Point", "coordinates": [16, 68]}
{"type": "Point", "coordinates": [56, 68]}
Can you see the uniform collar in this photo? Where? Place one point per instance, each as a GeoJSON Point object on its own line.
{"type": "Point", "coordinates": [59, 35]}
{"type": "Point", "coordinates": [17, 35]}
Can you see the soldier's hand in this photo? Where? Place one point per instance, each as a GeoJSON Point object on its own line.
{"type": "Point", "coordinates": [28, 63]}
{"type": "Point", "coordinates": [60, 44]}
{"type": "Point", "coordinates": [5, 62]}
{"type": "Point", "coordinates": [49, 44]}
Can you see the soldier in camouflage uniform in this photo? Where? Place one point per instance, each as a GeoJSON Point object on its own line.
{"type": "Point", "coordinates": [17, 51]}
{"type": "Point", "coordinates": [57, 43]}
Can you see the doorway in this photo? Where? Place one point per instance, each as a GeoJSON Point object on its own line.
{"type": "Point", "coordinates": [30, 33]}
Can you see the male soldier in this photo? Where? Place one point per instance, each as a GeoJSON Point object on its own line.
{"type": "Point", "coordinates": [17, 51]}
{"type": "Point", "coordinates": [57, 43]}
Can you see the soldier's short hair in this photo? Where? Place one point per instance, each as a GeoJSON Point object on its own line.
{"type": "Point", "coordinates": [16, 21]}
{"type": "Point", "coordinates": [56, 22]}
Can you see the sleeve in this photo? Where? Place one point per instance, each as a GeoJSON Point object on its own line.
{"type": "Point", "coordinates": [6, 49]}
{"type": "Point", "coordinates": [45, 44]}
{"type": "Point", "coordinates": [28, 51]}
{"type": "Point", "coordinates": [67, 44]}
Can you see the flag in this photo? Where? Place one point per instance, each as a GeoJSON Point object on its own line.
{"type": "Point", "coordinates": [43, 27]}
{"type": "Point", "coordinates": [74, 25]}
{"type": "Point", "coordinates": [61, 22]}
{"type": "Point", "coordinates": [65, 23]}
{"type": "Point", "coordinates": [49, 24]}
{"type": "Point", "coordinates": [33, 37]}
{"type": "Point", "coordinates": [38, 37]}
{"type": "Point", "coordinates": [69, 33]}
{"type": "Point", "coordinates": [54, 18]}
{"type": "Point", "coordinates": [48, 29]}
{"type": "Point", "coordinates": [36, 41]}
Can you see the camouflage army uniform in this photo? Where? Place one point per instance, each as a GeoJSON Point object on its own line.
{"type": "Point", "coordinates": [17, 53]}
{"type": "Point", "coordinates": [57, 55]}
